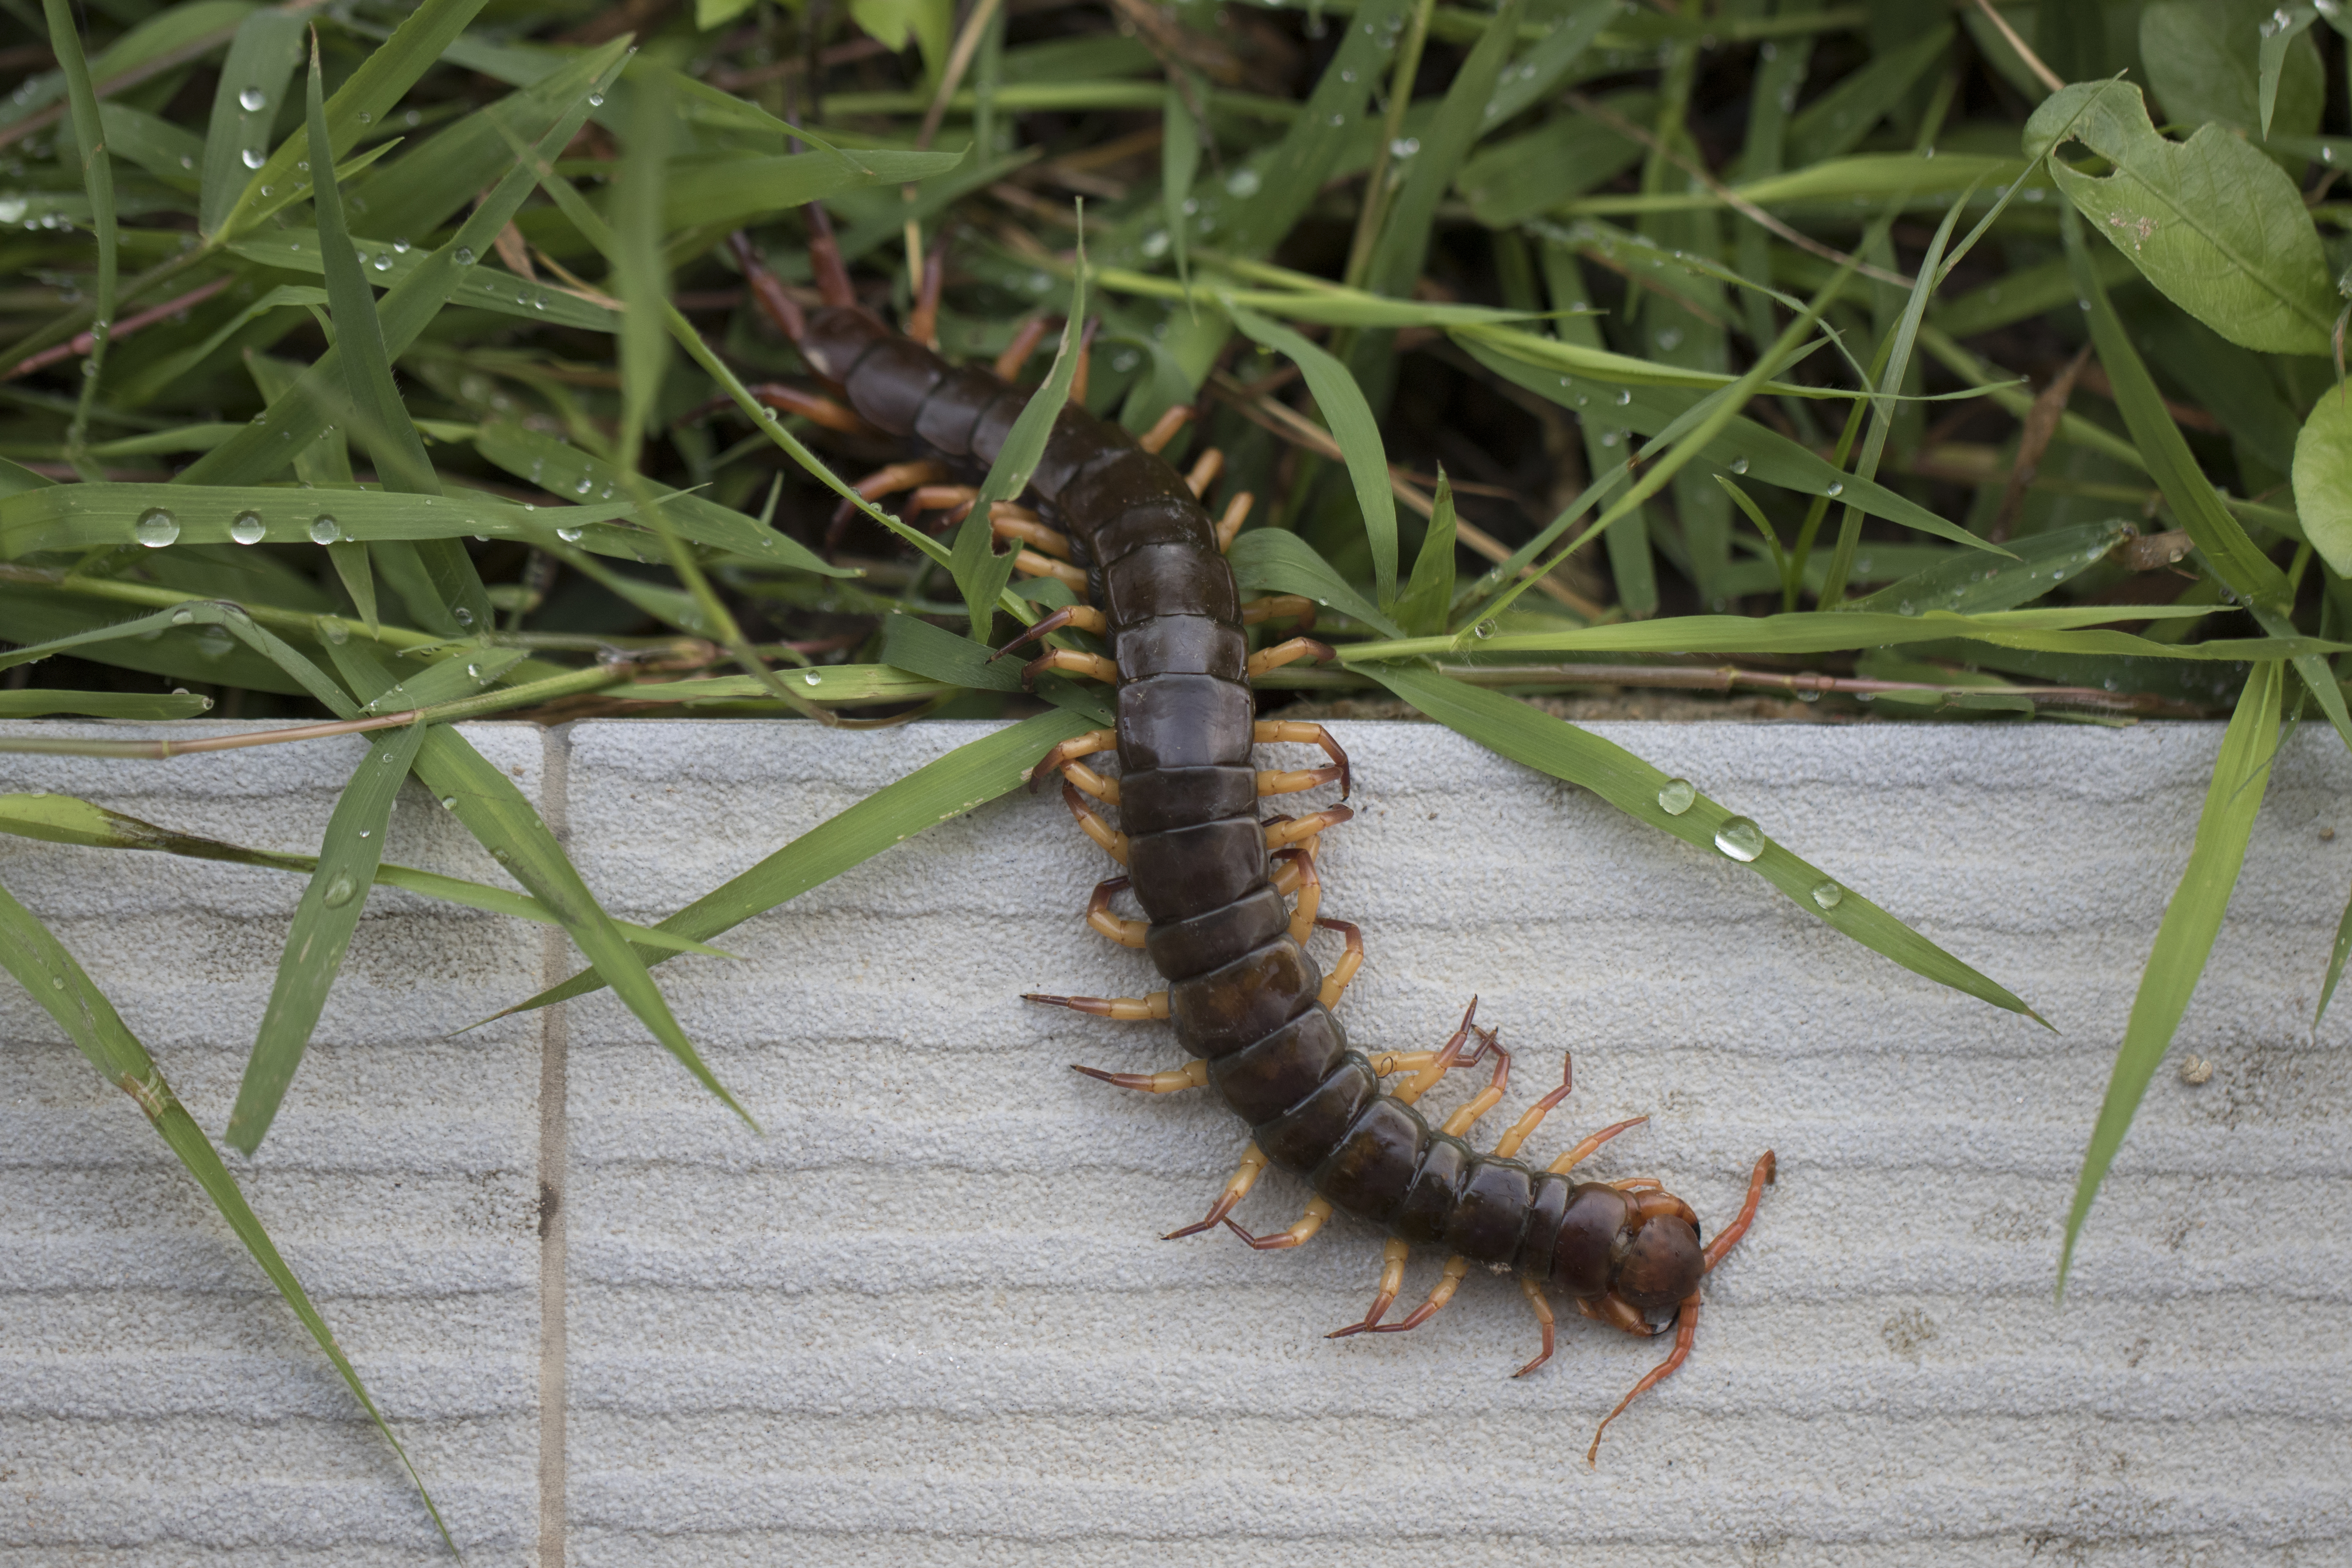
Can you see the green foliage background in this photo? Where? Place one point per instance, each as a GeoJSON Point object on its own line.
{"type": "Point", "coordinates": [1975, 364]}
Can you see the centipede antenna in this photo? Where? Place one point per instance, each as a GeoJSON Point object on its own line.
{"type": "Point", "coordinates": [780, 305]}
{"type": "Point", "coordinates": [1685, 1331]}
{"type": "Point", "coordinates": [824, 259]}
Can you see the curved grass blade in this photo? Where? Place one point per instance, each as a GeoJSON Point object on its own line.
{"type": "Point", "coordinates": [65, 819]}
{"type": "Point", "coordinates": [1529, 736]}
{"type": "Point", "coordinates": [90, 516]}
{"type": "Point", "coordinates": [98, 179]}
{"type": "Point", "coordinates": [1463, 116]}
{"type": "Point", "coordinates": [1971, 585]}
{"type": "Point", "coordinates": [261, 61]}
{"type": "Point", "coordinates": [45, 970]}
{"type": "Point", "coordinates": [968, 777]}
{"type": "Point", "coordinates": [322, 931]}
{"type": "Point", "coordinates": [2334, 964]}
{"type": "Point", "coordinates": [1352, 427]}
{"type": "Point", "coordinates": [479, 288]}
{"type": "Point", "coordinates": [2184, 938]}
{"type": "Point", "coordinates": [1273, 557]}
{"type": "Point", "coordinates": [39, 704]}
{"type": "Point", "coordinates": [495, 811]}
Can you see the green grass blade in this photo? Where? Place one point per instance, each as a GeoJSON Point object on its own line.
{"type": "Point", "coordinates": [1272, 558]}
{"type": "Point", "coordinates": [1462, 118]}
{"type": "Point", "coordinates": [1420, 609]}
{"type": "Point", "coordinates": [1353, 425]}
{"type": "Point", "coordinates": [2334, 964]}
{"type": "Point", "coordinates": [1179, 160]}
{"type": "Point", "coordinates": [1554, 746]}
{"type": "Point", "coordinates": [261, 61]}
{"type": "Point", "coordinates": [1969, 585]}
{"type": "Point", "coordinates": [915, 646]}
{"type": "Point", "coordinates": [64, 820]}
{"type": "Point", "coordinates": [475, 288]}
{"type": "Point", "coordinates": [98, 179]}
{"type": "Point", "coordinates": [37, 704]}
{"type": "Point", "coordinates": [495, 811]}
{"type": "Point", "coordinates": [235, 621]}
{"type": "Point", "coordinates": [968, 777]}
{"type": "Point", "coordinates": [48, 973]}
{"type": "Point", "coordinates": [93, 516]}
{"type": "Point", "coordinates": [322, 931]}
{"type": "Point", "coordinates": [2184, 938]}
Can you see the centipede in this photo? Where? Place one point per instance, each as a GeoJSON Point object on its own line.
{"type": "Point", "coordinates": [1230, 897]}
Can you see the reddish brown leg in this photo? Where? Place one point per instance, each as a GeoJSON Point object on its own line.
{"type": "Point", "coordinates": [1335, 984]}
{"type": "Point", "coordinates": [1456, 1268]}
{"type": "Point", "coordinates": [1584, 1151]}
{"type": "Point", "coordinates": [1237, 1187]}
{"type": "Point", "coordinates": [1017, 354]}
{"type": "Point", "coordinates": [824, 259]}
{"type": "Point", "coordinates": [1277, 606]}
{"type": "Point", "coordinates": [1082, 617]}
{"type": "Point", "coordinates": [1123, 1009]}
{"type": "Point", "coordinates": [1271, 731]}
{"type": "Point", "coordinates": [1486, 1098]}
{"type": "Point", "coordinates": [768, 288]}
{"type": "Point", "coordinates": [883, 481]}
{"type": "Point", "coordinates": [1090, 822]}
{"type": "Point", "coordinates": [1393, 1257]}
{"type": "Point", "coordinates": [1070, 751]}
{"type": "Point", "coordinates": [1426, 1079]}
{"type": "Point", "coordinates": [1288, 831]}
{"type": "Point", "coordinates": [1124, 931]}
{"type": "Point", "coordinates": [1686, 1330]}
{"type": "Point", "coordinates": [1543, 1315]}
{"type": "Point", "coordinates": [1301, 1231]}
{"type": "Point", "coordinates": [814, 406]}
{"type": "Point", "coordinates": [923, 321]}
{"type": "Point", "coordinates": [1194, 1076]}
{"type": "Point", "coordinates": [1525, 1125]}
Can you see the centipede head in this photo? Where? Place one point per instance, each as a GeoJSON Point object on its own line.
{"type": "Point", "coordinates": [1662, 1261]}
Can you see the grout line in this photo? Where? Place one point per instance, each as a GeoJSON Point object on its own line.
{"type": "Point", "coordinates": [554, 1044]}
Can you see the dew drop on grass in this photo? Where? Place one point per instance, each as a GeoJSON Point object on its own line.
{"type": "Point", "coordinates": [325, 530]}
{"type": "Point", "coordinates": [340, 888]}
{"type": "Point", "coordinates": [1740, 838]}
{"type": "Point", "coordinates": [475, 670]}
{"type": "Point", "coordinates": [1837, 488]}
{"type": "Point", "coordinates": [334, 630]}
{"type": "Point", "coordinates": [570, 535]}
{"type": "Point", "coordinates": [247, 528]}
{"type": "Point", "coordinates": [812, 677]}
{"type": "Point", "coordinates": [56, 981]}
{"type": "Point", "coordinates": [155, 528]}
{"type": "Point", "coordinates": [1738, 464]}
{"type": "Point", "coordinates": [463, 256]}
{"type": "Point", "coordinates": [253, 157]}
{"type": "Point", "coordinates": [253, 100]}
{"type": "Point", "coordinates": [1829, 895]}
{"type": "Point", "coordinates": [448, 803]}
{"type": "Point", "coordinates": [1675, 795]}
{"type": "Point", "coordinates": [183, 615]}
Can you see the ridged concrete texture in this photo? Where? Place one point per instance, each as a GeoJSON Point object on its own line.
{"type": "Point", "coordinates": [159, 1403]}
{"type": "Point", "coordinates": [925, 1320]}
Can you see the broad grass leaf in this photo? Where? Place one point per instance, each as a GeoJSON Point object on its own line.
{"type": "Point", "coordinates": [230, 619]}
{"type": "Point", "coordinates": [1273, 558]}
{"type": "Point", "coordinates": [1462, 118]}
{"type": "Point", "coordinates": [1553, 56]}
{"type": "Point", "coordinates": [2187, 490]}
{"type": "Point", "coordinates": [64, 820]}
{"type": "Point", "coordinates": [2322, 480]}
{"type": "Point", "coordinates": [153, 143]}
{"type": "Point", "coordinates": [1554, 746]}
{"type": "Point", "coordinates": [496, 813]}
{"type": "Point", "coordinates": [1179, 160]}
{"type": "Point", "coordinates": [87, 516]}
{"type": "Point", "coordinates": [1530, 175]}
{"type": "Point", "coordinates": [913, 643]}
{"type": "Point", "coordinates": [446, 680]}
{"type": "Point", "coordinates": [2207, 58]}
{"type": "Point", "coordinates": [966, 778]}
{"type": "Point", "coordinates": [24, 703]}
{"type": "Point", "coordinates": [479, 288]}
{"type": "Point", "coordinates": [1352, 427]}
{"type": "Point", "coordinates": [2184, 938]}
{"type": "Point", "coordinates": [321, 931]}
{"type": "Point", "coordinates": [726, 191]}
{"type": "Point", "coordinates": [2214, 224]}
{"type": "Point", "coordinates": [261, 61]}
{"type": "Point", "coordinates": [1420, 609]}
{"type": "Point", "coordinates": [1969, 585]}
{"type": "Point", "coordinates": [98, 181]}
{"type": "Point", "coordinates": [51, 976]}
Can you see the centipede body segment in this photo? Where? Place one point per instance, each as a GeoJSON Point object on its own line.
{"type": "Point", "coordinates": [1253, 1010]}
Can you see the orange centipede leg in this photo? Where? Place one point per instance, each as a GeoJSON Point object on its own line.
{"type": "Point", "coordinates": [1584, 1151]}
{"type": "Point", "coordinates": [1079, 377]}
{"type": "Point", "coordinates": [923, 321]}
{"type": "Point", "coordinates": [1534, 1289]}
{"type": "Point", "coordinates": [1090, 822]}
{"type": "Point", "coordinates": [1393, 1257]}
{"type": "Point", "coordinates": [1025, 339]}
{"type": "Point", "coordinates": [1286, 831]}
{"type": "Point", "coordinates": [1335, 984]}
{"type": "Point", "coordinates": [1278, 606]}
{"type": "Point", "coordinates": [1237, 1187]}
{"type": "Point", "coordinates": [824, 259]}
{"type": "Point", "coordinates": [1270, 731]}
{"type": "Point", "coordinates": [1163, 429]}
{"type": "Point", "coordinates": [1288, 653]}
{"type": "Point", "coordinates": [1121, 930]}
{"type": "Point", "coordinates": [1124, 1009]}
{"type": "Point", "coordinates": [1300, 1232]}
{"type": "Point", "coordinates": [1450, 1281]}
{"type": "Point", "coordinates": [1229, 527]}
{"type": "Point", "coordinates": [1078, 617]}
{"type": "Point", "coordinates": [1069, 751]}
{"type": "Point", "coordinates": [1205, 471]}
{"type": "Point", "coordinates": [1093, 665]}
{"type": "Point", "coordinates": [1193, 1076]}
{"type": "Point", "coordinates": [1521, 1129]}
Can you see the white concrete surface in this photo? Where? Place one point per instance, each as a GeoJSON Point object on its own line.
{"type": "Point", "coordinates": [925, 1320]}
{"type": "Point", "coordinates": [159, 1403]}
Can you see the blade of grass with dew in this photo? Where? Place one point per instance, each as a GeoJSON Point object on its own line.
{"type": "Point", "coordinates": [98, 179]}
{"type": "Point", "coordinates": [980, 570]}
{"type": "Point", "coordinates": [93, 515]}
{"type": "Point", "coordinates": [915, 644]}
{"type": "Point", "coordinates": [1463, 116]}
{"type": "Point", "coordinates": [845, 683]}
{"type": "Point", "coordinates": [1971, 585]}
{"type": "Point", "coordinates": [1353, 425]}
{"type": "Point", "coordinates": [1429, 594]}
{"type": "Point", "coordinates": [496, 813]}
{"type": "Point", "coordinates": [1882, 407]}
{"type": "Point", "coordinates": [965, 779]}
{"type": "Point", "coordinates": [34, 704]}
{"type": "Point", "coordinates": [1273, 558]}
{"type": "Point", "coordinates": [1179, 160]}
{"type": "Point", "coordinates": [51, 976]}
{"type": "Point", "coordinates": [1554, 746]}
{"type": "Point", "coordinates": [446, 680]}
{"type": "Point", "coordinates": [261, 61]}
{"type": "Point", "coordinates": [231, 618]}
{"type": "Point", "coordinates": [2184, 941]}
{"type": "Point", "coordinates": [293, 422]}
{"type": "Point", "coordinates": [326, 464]}
{"type": "Point", "coordinates": [474, 287]}
{"type": "Point", "coordinates": [322, 931]}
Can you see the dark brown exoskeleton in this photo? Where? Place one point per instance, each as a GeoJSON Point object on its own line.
{"type": "Point", "coordinates": [1248, 1003]}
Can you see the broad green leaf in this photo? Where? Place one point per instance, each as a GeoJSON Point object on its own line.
{"type": "Point", "coordinates": [163, 150]}
{"type": "Point", "coordinates": [82, 517]}
{"type": "Point", "coordinates": [726, 191]}
{"type": "Point", "coordinates": [2206, 59]}
{"type": "Point", "coordinates": [1552, 58]}
{"type": "Point", "coordinates": [1420, 609]}
{"type": "Point", "coordinates": [1273, 557]}
{"type": "Point", "coordinates": [1554, 746]}
{"type": "Point", "coordinates": [2212, 223]}
{"type": "Point", "coordinates": [1462, 118]}
{"type": "Point", "coordinates": [2184, 938]}
{"type": "Point", "coordinates": [1352, 427]}
{"type": "Point", "coordinates": [51, 976]}
{"type": "Point", "coordinates": [1833, 123]}
{"type": "Point", "coordinates": [2187, 490]}
{"type": "Point", "coordinates": [966, 778]}
{"type": "Point", "coordinates": [231, 618]}
{"type": "Point", "coordinates": [64, 820]}
{"type": "Point", "coordinates": [446, 680]}
{"type": "Point", "coordinates": [36, 704]}
{"type": "Point", "coordinates": [915, 646]}
{"type": "Point", "coordinates": [481, 287]}
{"type": "Point", "coordinates": [322, 931]}
{"type": "Point", "coordinates": [1514, 180]}
{"type": "Point", "coordinates": [261, 61]}
{"type": "Point", "coordinates": [2322, 480]}
{"type": "Point", "coordinates": [495, 811]}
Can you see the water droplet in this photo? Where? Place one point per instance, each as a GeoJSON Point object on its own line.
{"type": "Point", "coordinates": [1404, 146]}
{"type": "Point", "coordinates": [464, 616]}
{"type": "Point", "coordinates": [334, 630]}
{"type": "Point", "coordinates": [812, 677]}
{"type": "Point", "coordinates": [340, 888]}
{"type": "Point", "coordinates": [1738, 464]}
{"type": "Point", "coordinates": [383, 262]}
{"type": "Point", "coordinates": [1829, 895]}
{"type": "Point", "coordinates": [1740, 838]}
{"type": "Point", "coordinates": [325, 530]}
{"type": "Point", "coordinates": [247, 528]}
{"type": "Point", "coordinates": [1675, 795]}
{"type": "Point", "coordinates": [57, 982]}
{"type": "Point", "coordinates": [253, 100]}
{"type": "Point", "coordinates": [1243, 181]}
{"type": "Point", "coordinates": [448, 803]}
{"type": "Point", "coordinates": [462, 256]}
{"type": "Point", "coordinates": [1625, 398]}
{"type": "Point", "coordinates": [595, 100]}
{"type": "Point", "coordinates": [1483, 629]}
{"type": "Point", "coordinates": [253, 157]}
{"type": "Point", "coordinates": [1837, 488]}
{"type": "Point", "coordinates": [400, 246]}
{"type": "Point", "coordinates": [183, 615]}
{"type": "Point", "coordinates": [586, 484]}
{"type": "Point", "coordinates": [570, 535]}
{"type": "Point", "coordinates": [475, 670]}
{"type": "Point", "coordinates": [155, 528]}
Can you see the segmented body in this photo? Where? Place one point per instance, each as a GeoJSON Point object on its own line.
{"type": "Point", "coordinates": [1244, 997]}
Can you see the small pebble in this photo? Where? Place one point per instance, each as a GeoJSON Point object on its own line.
{"type": "Point", "coordinates": [2195, 1070]}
